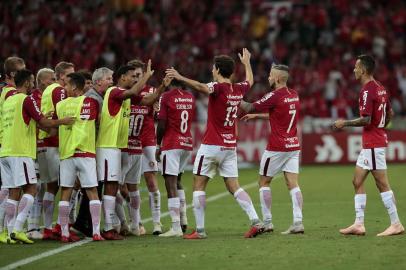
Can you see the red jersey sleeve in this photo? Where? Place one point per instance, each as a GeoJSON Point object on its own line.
{"type": "Point", "coordinates": [31, 108]}
{"type": "Point", "coordinates": [266, 103]}
{"type": "Point", "coordinates": [366, 103]}
{"type": "Point", "coordinates": [116, 94]}
{"type": "Point", "coordinates": [58, 94]}
{"type": "Point", "coordinates": [163, 108]}
{"type": "Point", "coordinates": [136, 100]}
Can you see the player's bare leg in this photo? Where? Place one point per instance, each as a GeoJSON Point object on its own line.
{"type": "Point", "coordinates": [109, 205]}
{"type": "Point", "coordinates": [244, 200]}
{"type": "Point", "coordinates": [265, 198]}
{"type": "Point", "coordinates": [388, 199]}
{"type": "Point", "coordinates": [199, 206]}
{"type": "Point", "coordinates": [360, 201]}
{"type": "Point", "coordinates": [182, 199]}
{"type": "Point", "coordinates": [292, 182]}
{"type": "Point", "coordinates": [134, 210]}
{"type": "Point", "coordinates": [171, 184]}
{"type": "Point", "coordinates": [154, 201]}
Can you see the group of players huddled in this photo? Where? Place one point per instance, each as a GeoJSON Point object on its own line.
{"type": "Point", "coordinates": [96, 133]}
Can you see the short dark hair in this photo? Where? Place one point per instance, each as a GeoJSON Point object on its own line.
{"type": "Point", "coordinates": [121, 71]}
{"type": "Point", "coordinates": [22, 76]}
{"type": "Point", "coordinates": [368, 62]}
{"type": "Point", "coordinates": [77, 79]}
{"type": "Point", "coordinates": [136, 63]}
{"type": "Point", "coordinates": [11, 63]}
{"type": "Point", "coordinates": [225, 64]}
{"type": "Point", "coordinates": [178, 84]}
{"type": "Point", "coordinates": [86, 74]}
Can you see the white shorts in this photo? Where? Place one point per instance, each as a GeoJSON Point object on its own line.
{"type": "Point", "coordinates": [83, 168]}
{"type": "Point", "coordinates": [131, 168]}
{"type": "Point", "coordinates": [17, 171]}
{"type": "Point", "coordinates": [149, 163]}
{"type": "Point", "coordinates": [209, 158]}
{"type": "Point", "coordinates": [372, 159]}
{"type": "Point", "coordinates": [108, 164]}
{"type": "Point", "coordinates": [174, 161]}
{"type": "Point", "coordinates": [273, 162]}
{"type": "Point", "coordinates": [48, 161]}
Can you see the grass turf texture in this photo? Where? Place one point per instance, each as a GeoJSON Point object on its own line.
{"type": "Point", "coordinates": [328, 206]}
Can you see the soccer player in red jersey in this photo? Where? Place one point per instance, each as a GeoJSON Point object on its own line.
{"type": "Point", "coordinates": [375, 113]}
{"type": "Point", "coordinates": [283, 150]}
{"type": "Point", "coordinates": [131, 159]}
{"type": "Point", "coordinates": [45, 77]}
{"type": "Point", "coordinates": [218, 148]}
{"type": "Point", "coordinates": [145, 128]}
{"type": "Point", "coordinates": [174, 139]}
{"type": "Point", "coordinates": [108, 154]}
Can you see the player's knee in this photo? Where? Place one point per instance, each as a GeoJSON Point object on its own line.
{"type": "Point", "coordinates": [357, 183]}
{"type": "Point", "coordinates": [31, 189]}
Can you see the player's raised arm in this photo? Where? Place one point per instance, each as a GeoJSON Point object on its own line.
{"type": "Point", "coordinates": [245, 60]}
{"type": "Point", "coordinates": [136, 88]}
{"type": "Point", "coordinates": [198, 86]}
{"type": "Point", "coordinates": [150, 99]}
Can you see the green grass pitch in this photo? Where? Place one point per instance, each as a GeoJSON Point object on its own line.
{"type": "Point", "coordinates": [328, 206]}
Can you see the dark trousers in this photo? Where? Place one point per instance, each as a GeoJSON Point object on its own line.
{"type": "Point", "coordinates": [84, 219]}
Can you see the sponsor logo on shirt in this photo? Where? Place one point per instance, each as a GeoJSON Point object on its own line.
{"type": "Point", "coordinates": [183, 100]}
{"type": "Point", "coordinates": [289, 100]}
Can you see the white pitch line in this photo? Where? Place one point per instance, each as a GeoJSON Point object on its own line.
{"type": "Point", "coordinates": [87, 240]}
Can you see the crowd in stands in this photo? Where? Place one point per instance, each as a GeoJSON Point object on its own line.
{"type": "Point", "coordinates": [318, 40]}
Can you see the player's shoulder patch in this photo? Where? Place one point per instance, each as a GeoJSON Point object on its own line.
{"type": "Point", "coordinates": [211, 86]}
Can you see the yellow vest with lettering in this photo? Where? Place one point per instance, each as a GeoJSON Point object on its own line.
{"type": "Point", "coordinates": [113, 130]}
{"type": "Point", "coordinates": [4, 92]}
{"type": "Point", "coordinates": [19, 139]}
